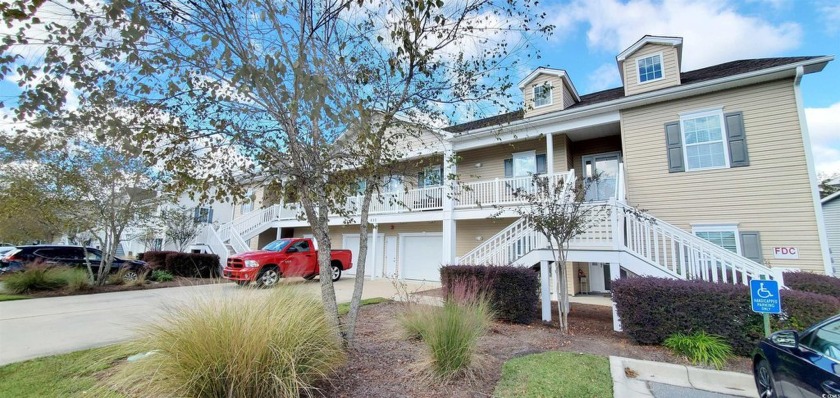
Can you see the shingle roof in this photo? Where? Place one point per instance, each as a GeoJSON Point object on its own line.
{"type": "Point", "coordinates": [695, 76]}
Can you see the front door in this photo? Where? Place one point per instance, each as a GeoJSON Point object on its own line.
{"type": "Point", "coordinates": [605, 167]}
{"type": "Point", "coordinates": [390, 256]}
{"type": "Point", "coordinates": [599, 277]}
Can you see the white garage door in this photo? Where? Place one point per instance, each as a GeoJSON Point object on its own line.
{"type": "Point", "coordinates": [420, 256]}
{"type": "Point", "coordinates": [351, 241]}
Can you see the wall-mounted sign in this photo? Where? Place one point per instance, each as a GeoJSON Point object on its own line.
{"type": "Point", "coordinates": [786, 253]}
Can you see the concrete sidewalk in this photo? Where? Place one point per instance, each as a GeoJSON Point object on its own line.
{"type": "Point", "coordinates": [633, 378]}
{"type": "Point", "coordinates": [47, 326]}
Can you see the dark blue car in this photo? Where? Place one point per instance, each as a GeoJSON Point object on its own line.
{"type": "Point", "coordinates": [793, 365]}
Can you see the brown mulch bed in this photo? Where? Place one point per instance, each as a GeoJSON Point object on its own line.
{"type": "Point", "coordinates": [178, 281]}
{"type": "Point", "coordinates": [382, 364]}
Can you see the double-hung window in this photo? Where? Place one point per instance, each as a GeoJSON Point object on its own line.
{"type": "Point", "coordinates": [431, 176]}
{"type": "Point", "coordinates": [542, 95]}
{"type": "Point", "coordinates": [650, 68]}
{"type": "Point", "coordinates": [704, 140]}
{"type": "Point", "coordinates": [725, 236]}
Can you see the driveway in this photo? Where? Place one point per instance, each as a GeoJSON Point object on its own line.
{"type": "Point", "coordinates": [47, 326]}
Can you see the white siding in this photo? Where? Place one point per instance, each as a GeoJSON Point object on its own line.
{"type": "Point", "coordinates": [831, 214]}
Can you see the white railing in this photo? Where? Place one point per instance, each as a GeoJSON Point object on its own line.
{"type": "Point", "coordinates": [681, 253]}
{"type": "Point", "coordinates": [227, 233]}
{"type": "Point", "coordinates": [615, 226]}
{"type": "Point", "coordinates": [429, 198]}
{"type": "Point", "coordinates": [501, 191]}
{"type": "Point", "coordinates": [211, 239]}
{"type": "Point", "coordinates": [249, 223]}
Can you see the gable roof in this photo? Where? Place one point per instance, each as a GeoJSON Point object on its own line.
{"type": "Point", "coordinates": [560, 73]}
{"type": "Point", "coordinates": [727, 69]}
{"type": "Point", "coordinates": [648, 39]}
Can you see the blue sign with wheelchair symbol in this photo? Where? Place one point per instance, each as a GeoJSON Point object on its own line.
{"type": "Point", "coordinates": [765, 296]}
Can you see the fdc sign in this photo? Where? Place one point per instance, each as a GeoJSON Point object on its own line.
{"type": "Point", "coordinates": [765, 296]}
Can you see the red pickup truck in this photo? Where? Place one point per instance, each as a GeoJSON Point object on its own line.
{"type": "Point", "coordinates": [283, 258]}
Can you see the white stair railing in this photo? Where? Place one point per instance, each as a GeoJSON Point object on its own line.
{"type": "Point", "coordinates": [251, 223]}
{"type": "Point", "coordinates": [211, 239]}
{"type": "Point", "coordinates": [228, 234]}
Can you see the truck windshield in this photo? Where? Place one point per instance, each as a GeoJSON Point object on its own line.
{"type": "Point", "coordinates": [277, 245]}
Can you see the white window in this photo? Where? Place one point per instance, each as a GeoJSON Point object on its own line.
{"type": "Point", "coordinates": [703, 137]}
{"type": "Point", "coordinates": [203, 215]}
{"type": "Point", "coordinates": [431, 176]}
{"type": "Point", "coordinates": [542, 95]}
{"type": "Point", "coordinates": [650, 68]}
{"type": "Point", "coordinates": [725, 236]}
{"type": "Point", "coordinates": [248, 204]}
{"type": "Point", "coordinates": [393, 183]}
{"type": "Point", "coordinates": [524, 163]}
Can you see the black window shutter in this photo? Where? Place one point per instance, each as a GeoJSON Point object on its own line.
{"type": "Point", "coordinates": [421, 179]}
{"type": "Point", "coordinates": [738, 156]}
{"type": "Point", "coordinates": [673, 140]}
{"type": "Point", "coordinates": [197, 215]}
{"type": "Point", "coordinates": [210, 215]}
{"type": "Point", "coordinates": [508, 168]}
{"type": "Point", "coordinates": [541, 164]}
{"type": "Point", "coordinates": [751, 246]}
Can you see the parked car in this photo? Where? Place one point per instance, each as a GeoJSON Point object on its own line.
{"type": "Point", "coordinates": [283, 258]}
{"type": "Point", "coordinates": [790, 364]}
{"type": "Point", "coordinates": [15, 259]}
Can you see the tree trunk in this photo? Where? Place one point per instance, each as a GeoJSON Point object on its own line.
{"type": "Point", "coordinates": [361, 257]}
{"type": "Point", "coordinates": [321, 230]}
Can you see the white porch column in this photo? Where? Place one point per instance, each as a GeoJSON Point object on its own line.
{"type": "Point", "coordinates": [545, 289]}
{"type": "Point", "coordinates": [615, 274]}
{"type": "Point", "coordinates": [449, 227]}
{"type": "Point", "coordinates": [554, 276]}
{"type": "Point", "coordinates": [549, 154]}
{"type": "Point", "coordinates": [373, 274]}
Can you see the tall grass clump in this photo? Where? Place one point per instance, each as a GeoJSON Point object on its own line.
{"type": "Point", "coordinates": [452, 335]}
{"type": "Point", "coordinates": [34, 277]}
{"type": "Point", "coordinates": [277, 344]}
{"type": "Point", "coordinates": [700, 348]}
{"type": "Point", "coordinates": [74, 279]}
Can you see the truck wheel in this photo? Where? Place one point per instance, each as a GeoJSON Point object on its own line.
{"type": "Point", "coordinates": [336, 273]}
{"type": "Point", "coordinates": [268, 277]}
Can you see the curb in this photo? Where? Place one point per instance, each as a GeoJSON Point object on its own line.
{"type": "Point", "coordinates": [722, 382]}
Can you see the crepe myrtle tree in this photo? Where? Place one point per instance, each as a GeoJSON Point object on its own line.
{"type": "Point", "coordinates": [181, 226]}
{"type": "Point", "coordinates": [559, 210]}
{"type": "Point", "coordinates": [305, 96]}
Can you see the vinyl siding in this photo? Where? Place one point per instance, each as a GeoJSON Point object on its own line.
{"type": "Point", "coordinates": [259, 192]}
{"type": "Point", "coordinates": [468, 231]}
{"type": "Point", "coordinates": [568, 99]}
{"type": "Point", "coordinates": [591, 147]}
{"type": "Point", "coordinates": [831, 214]}
{"type": "Point", "coordinates": [772, 195]}
{"type": "Point", "coordinates": [670, 69]}
{"type": "Point", "coordinates": [557, 102]}
{"type": "Point", "coordinates": [414, 141]}
{"type": "Point", "coordinates": [492, 158]}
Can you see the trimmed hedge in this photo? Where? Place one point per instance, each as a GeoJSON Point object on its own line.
{"type": "Point", "coordinates": [513, 291]}
{"type": "Point", "coordinates": [813, 283]}
{"type": "Point", "coordinates": [193, 265]}
{"type": "Point", "coordinates": [651, 309]}
{"type": "Point", "coordinates": [156, 259]}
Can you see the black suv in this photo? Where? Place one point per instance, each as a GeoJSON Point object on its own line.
{"type": "Point", "coordinates": [74, 256]}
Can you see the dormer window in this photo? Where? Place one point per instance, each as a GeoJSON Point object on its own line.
{"type": "Point", "coordinates": [650, 68]}
{"type": "Point", "coordinates": [542, 95]}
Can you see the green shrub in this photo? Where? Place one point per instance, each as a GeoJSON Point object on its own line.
{"type": "Point", "coordinates": [193, 265]}
{"type": "Point", "coordinates": [813, 283]}
{"type": "Point", "coordinates": [415, 319]}
{"type": "Point", "coordinates": [161, 275]}
{"type": "Point", "coordinates": [700, 348]}
{"type": "Point", "coordinates": [74, 279]}
{"type": "Point", "coordinates": [33, 278]}
{"type": "Point", "coordinates": [271, 344]}
{"type": "Point", "coordinates": [513, 291]}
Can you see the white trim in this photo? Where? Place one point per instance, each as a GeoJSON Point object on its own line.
{"type": "Point", "coordinates": [661, 67]}
{"type": "Point", "coordinates": [812, 174]}
{"type": "Point", "coordinates": [719, 228]}
{"type": "Point", "coordinates": [550, 94]}
{"type": "Point", "coordinates": [560, 73]}
{"type": "Point", "coordinates": [723, 140]}
{"type": "Point", "coordinates": [664, 40]}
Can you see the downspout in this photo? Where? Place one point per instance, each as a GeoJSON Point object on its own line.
{"type": "Point", "coordinates": [812, 173]}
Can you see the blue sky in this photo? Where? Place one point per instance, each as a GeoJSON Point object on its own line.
{"type": "Point", "coordinates": [590, 33]}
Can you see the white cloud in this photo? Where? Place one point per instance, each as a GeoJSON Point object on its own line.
{"type": "Point", "coordinates": [830, 15]}
{"type": "Point", "coordinates": [824, 131]}
{"type": "Point", "coordinates": [605, 76]}
{"type": "Point", "coordinates": [713, 30]}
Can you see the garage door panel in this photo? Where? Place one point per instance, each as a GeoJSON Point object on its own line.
{"type": "Point", "coordinates": [421, 256]}
{"type": "Point", "coordinates": [351, 242]}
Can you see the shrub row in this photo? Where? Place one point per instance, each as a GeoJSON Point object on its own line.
{"type": "Point", "coordinates": [192, 265]}
{"type": "Point", "coordinates": [651, 309]}
{"type": "Point", "coordinates": [813, 283]}
{"type": "Point", "coordinates": [513, 291]}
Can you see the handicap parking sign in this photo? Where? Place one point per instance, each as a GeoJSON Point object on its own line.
{"type": "Point", "coordinates": [765, 297]}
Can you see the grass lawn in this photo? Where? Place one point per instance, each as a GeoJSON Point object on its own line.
{"type": "Point", "coordinates": [66, 375]}
{"type": "Point", "coordinates": [344, 308]}
{"type": "Point", "coordinates": [11, 297]}
{"type": "Point", "coordinates": [556, 374]}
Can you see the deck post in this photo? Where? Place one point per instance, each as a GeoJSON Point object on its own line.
{"type": "Point", "coordinates": [373, 250]}
{"type": "Point", "coordinates": [545, 289]}
{"type": "Point", "coordinates": [448, 199]}
{"type": "Point", "coordinates": [615, 274]}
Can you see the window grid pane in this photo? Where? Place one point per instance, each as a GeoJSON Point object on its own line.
{"type": "Point", "coordinates": [650, 68]}
{"type": "Point", "coordinates": [724, 239]}
{"type": "Point", "coordinates": [542, 95]}
{"type": "Point", "coordinates": [704, 146]}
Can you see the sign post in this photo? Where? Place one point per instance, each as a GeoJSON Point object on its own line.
{"type": "Point", "coordinates": [764, 295]}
